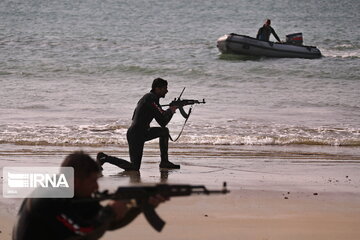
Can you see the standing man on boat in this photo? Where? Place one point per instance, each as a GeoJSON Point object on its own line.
{"type": "Point", "coordinates": [265, 31]}
{"type": "Point", "coordinates": [140, 131]}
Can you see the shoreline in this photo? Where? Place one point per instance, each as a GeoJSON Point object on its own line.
{"type": "Point", "coordinates": [280, 194]}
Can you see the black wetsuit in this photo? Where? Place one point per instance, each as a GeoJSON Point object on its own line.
{"type": "Point", "coordinates": [264, 33]}
{"type": "Point", "coordinates": [140, 131]}
{"type": "Point", "coordinates": [48, 218]}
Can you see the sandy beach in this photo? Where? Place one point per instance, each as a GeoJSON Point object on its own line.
{"type": "Point", "coordinates": [292, 194]}
{"type": "Point", "coordinates": [283, 133]}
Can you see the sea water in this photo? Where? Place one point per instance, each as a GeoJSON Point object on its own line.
{"type": "Point", "coordinates": [71, 72]}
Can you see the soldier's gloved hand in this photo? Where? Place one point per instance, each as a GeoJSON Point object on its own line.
{"type": "Point", "coordinates": [157, 199]}
{"type": "Point", "coordinates": [173, 109]}
{"type": "Point", "coordinates": [120, 208]}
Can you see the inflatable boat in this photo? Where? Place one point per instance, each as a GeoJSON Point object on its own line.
{"type": "Point", "coordinates": [245, 45]}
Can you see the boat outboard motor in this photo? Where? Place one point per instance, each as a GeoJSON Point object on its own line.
{"type": "Point", "coordinates": [295, 39]}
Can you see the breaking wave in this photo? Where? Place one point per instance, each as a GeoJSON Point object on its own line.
{"type": "Point", "coordinates": [115, 134]}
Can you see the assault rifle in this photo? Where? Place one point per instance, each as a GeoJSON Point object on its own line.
{"type": "Point", "coordinates": [183, 102]}
{"type": "Point", "coordinates": [140, 196]}
{"type": "Point", "coordinates": [180, 103]}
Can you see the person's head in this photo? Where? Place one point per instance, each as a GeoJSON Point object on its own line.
{"type": "Point", "coordinates": [159, 87]}
{"type": "Point", "coordinates": [267, 22]}
{"type": "Point", "coordinates": [86, 173]}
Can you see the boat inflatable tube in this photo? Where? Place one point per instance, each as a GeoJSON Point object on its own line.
{"type": "Point", "coordinates": [245, 45]}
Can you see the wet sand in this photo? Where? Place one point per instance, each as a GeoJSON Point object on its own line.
{"type": "Point", "coordinates": [283, 193]}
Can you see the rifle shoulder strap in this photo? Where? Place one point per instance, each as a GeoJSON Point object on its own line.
{"type": "Point", "coordinates": [182, 129]}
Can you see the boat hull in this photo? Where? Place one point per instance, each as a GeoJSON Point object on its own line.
{"type": "Point", "coordinates": [244, 45]}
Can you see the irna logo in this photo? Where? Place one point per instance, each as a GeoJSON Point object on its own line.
{"type": "Point", "coordinates": [44, 182]}
{"type": "Point", "coordinates": [33, 180]}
